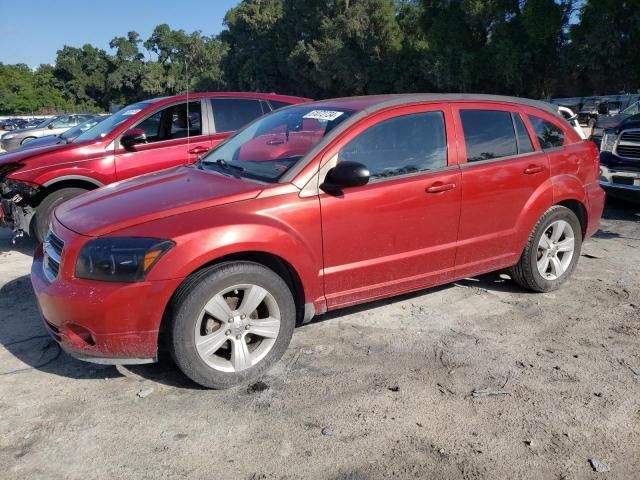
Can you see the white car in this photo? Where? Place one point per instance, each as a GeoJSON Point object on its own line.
{"type": "Point", "coordinates": [572, 118]}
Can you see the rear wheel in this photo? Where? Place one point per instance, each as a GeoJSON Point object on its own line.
{"type": "Point", "coordinates": [552, 251]}
{"type": "Point", "coordinates": [231, 323]}
{"type": "Point", "coordinates": [40, 223]}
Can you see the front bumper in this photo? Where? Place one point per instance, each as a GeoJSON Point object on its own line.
{"type": "Point", "coordinates": [12, 144]}
{"type": "Point", "coordinates": [101, 322]}
{"type": "Point", "coordinates": [620, 178]}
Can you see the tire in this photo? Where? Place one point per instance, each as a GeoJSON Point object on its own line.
{"type": "Point", "coordinates": [27, 140]}
{"type": "Point", "coordinates": [40, 223]}
{"type": "Point", "coordinates": [538, 252]}
{"type": "Point", "coordinates": [223, 366]}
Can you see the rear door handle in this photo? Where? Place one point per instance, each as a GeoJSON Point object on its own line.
{"type": "Point", "coordinates": [440, 187]}
{"type": "Point", "coordinates": [198, 150]}
{"type": "Point", "coordinates": [531, 169]}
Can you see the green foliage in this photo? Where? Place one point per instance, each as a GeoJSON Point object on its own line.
{"type": "Point", "coordinates": [326, 48]}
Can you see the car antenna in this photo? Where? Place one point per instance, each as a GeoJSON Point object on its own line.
{"type": "Point", "coordinates": [186, 74]}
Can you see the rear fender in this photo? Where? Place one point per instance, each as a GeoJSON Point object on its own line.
{"type": "Point", "coordinates": [539, 202]}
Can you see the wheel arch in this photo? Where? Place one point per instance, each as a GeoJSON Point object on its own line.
{"type": "Point", "coordinates": [274, 262]}
{"type": "Point", "coordinates": [580, 210]}
{"type": "Point", "coordinates": [67, 181]}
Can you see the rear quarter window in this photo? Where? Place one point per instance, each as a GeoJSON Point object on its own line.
{"type": "Point", "coordinates": [549, 135]}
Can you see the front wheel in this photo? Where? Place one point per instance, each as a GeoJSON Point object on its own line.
{"type": "Point", "coordinates": [40, 223]}
{"type": "Point", "coordinates": [551, 253]}
{"type": "Point", "coordinates": [230, 323]}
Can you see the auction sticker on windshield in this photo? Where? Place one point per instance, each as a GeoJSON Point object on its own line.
{"type": "Point", "coordinates": [327, 115]}
{"type": "Point", "coordinates": [132, 111]}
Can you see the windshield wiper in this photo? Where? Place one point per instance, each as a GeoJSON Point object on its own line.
{"type": "Point", "coordinates": [223, 164]}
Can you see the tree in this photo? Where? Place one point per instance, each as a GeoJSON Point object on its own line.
{"type": "Point", "coordinates": [83, 74]}
{"type": "Point", "coordinates": [127, 69]}
{"type": "Point", "coordinates": [605, 46]}
{"type": "Point", "coordinates": [355, 52]}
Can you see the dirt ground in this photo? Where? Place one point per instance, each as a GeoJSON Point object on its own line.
{"type": "Point", "coordinates": [384, 390]}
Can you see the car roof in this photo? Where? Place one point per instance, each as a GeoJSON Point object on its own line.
{"type": "Point", "coordinates": [374, 103]}
{"type": "Point", "coordinates": [364, 106]}
{"type": "Point", "coordinates": [256, 95]}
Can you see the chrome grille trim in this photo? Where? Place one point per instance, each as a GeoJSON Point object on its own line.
{"type": "Point", "coordinates": [52, 247]}
{"type": "Point", "coordinates": [628, 144]}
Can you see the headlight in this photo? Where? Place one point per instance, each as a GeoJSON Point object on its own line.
{"type": "Point", "coordinates": [608, 141]}
{"type": "Point", "coordinates": [120, 259]}
{"type": "Point", "coordinates": [8, 136]}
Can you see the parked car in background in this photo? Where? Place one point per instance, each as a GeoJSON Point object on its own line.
{"type": "Point", "coordinates": [620, 158]}
{"type": "Point", "coordinates": [66, 137]}
{"type": "Point", "coordinates": [141, 138]}
{"type": "Point", "coordinates": [588, 114]}
{"type": "Point", "coordinates": [313, 208]}
{"type": "Point", "coordinates": [572, 118]}
{"type": "Point", "coordinates": [35, 122]}
{"type": "Point", "coordinates": [612, 122]}
{"type": "Point", "coordinates": [53, 126]}
{"type": "Point", "coordinates": [13, 124]}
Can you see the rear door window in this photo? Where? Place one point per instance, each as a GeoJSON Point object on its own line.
{"type": "Point", "coordinates": [401, 145]}
{"type": "Point", "coordinates": [230, 114]}
{"type": "Point", "coordinates": [549, 135]}
{"type": "Point", "coordinates": [489, 134]}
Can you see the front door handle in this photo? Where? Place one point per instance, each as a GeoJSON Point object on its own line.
{"type": "Point", "coordinates": [531, 169]}
{"type": "Point", "coordinates": [198, 150]}
{"type": "Point", "coordinates": [440, 187]}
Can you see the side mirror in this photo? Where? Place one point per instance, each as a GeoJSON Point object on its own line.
{"type": "Point", "coordinates": [346, 174]}
{"type": "Point", "coordinates": [50, 126]}
{"type": "Point", "coordinates": [133, 137]}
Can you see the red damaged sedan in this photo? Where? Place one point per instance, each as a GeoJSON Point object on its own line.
{"type": "Point", "coordinates": [312, 208]}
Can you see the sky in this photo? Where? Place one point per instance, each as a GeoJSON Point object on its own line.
{"type": "Point", "coordinates": [33, 31]}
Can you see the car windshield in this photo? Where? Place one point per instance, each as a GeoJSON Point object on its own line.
{"type": "Point", "coordinates": [102, 129]}
{"type": "Point", "coordinates": [271, 145]}
{"type": "Point", "coordinates": [73, 133]}
{"type": "Point", "coordinates": [632, 109]}
{"type": "Point", "coordinates": [589, 106]}
{"type": "Point", "coordinates": [46, 122]}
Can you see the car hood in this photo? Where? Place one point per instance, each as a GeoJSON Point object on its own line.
{"type": "Point", "coordinates": [47, 141]}
{"type": "Point", "coordinates": [150, 197]}
{"type": "Point", "coordinates": [31, 157]}
{"type": "Point", "coordinates": [610, 121]}
{"type": "Point", "coordinates": [23, 130]}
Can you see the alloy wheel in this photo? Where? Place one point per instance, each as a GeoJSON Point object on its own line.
{"type": "Point", "coordinates": [237, 328]}
{"type": "Point", "coordinates": [555, 250]}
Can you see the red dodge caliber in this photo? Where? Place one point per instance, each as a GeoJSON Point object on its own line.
{"type": "Point", "coordinates": [312, 208]}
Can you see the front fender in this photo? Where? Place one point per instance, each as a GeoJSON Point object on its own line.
{"type": "Point", "coordinates": [204, 236]}
{"type": "Point", "coordinates": [48, 178]}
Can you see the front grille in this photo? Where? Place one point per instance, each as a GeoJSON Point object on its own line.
{"type": "Point", "coordinates": [52, 247]}
{"type": "Point", "coordinates": [628, 151]}
{"type": "Point", "coordinates": [633, 136]}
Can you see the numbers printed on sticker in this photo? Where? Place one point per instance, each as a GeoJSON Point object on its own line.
{"type": "Point", "coordinates": [327, 115]}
